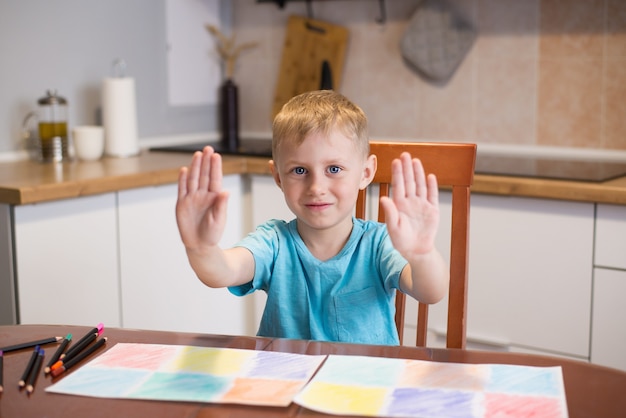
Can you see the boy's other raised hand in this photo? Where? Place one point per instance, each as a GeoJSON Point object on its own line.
{"type": "Point", "coordinates": [201, 204]}
{"type": "Point", "coordinates": [412, 211]}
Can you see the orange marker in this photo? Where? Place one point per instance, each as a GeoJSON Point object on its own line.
{"type": "Point", "coordinates": [61, 366]}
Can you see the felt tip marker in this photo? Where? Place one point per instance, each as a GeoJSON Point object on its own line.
{"type": "Point", "coordinates": [29, 367]}
{"type": "Point", "coordinates": [82, 343]}
{"type": "Point", "coordinates": [57, 354]}
{"type": "Point", "coordinates": [34, 373]}
{"type": "Point", "coordinates": [78, 347]}
{"type": "Point", "coordinates": [31, 344]}
{"type": "Point", "coordinates": [60, 367]}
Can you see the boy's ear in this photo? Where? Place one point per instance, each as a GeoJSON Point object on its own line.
{"type": "Point", "coordinates": [371, 164]}
{"type": "Point", "coordinates": [274, 171]}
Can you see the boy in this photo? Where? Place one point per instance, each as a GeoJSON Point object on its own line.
{"type": "Point", "coordinates": [327, 275]}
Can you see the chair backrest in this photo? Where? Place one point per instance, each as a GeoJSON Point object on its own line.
{"type": "Point", "coordinates": [453, 164]}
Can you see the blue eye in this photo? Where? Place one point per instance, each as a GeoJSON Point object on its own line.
{"type": "Point", "coordinates": [333, 169]}
{"type": "Point", "coordinates": [299, 170]}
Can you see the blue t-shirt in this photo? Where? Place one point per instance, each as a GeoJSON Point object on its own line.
{"type": "Point", "coordinates": [348, 298]}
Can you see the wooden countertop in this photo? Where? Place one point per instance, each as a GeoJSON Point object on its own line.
{"type": "Point", "coordinates": [25, 182]}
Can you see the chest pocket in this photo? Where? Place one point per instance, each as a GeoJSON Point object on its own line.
{"type": "Point", "coordinates": [360, 318]}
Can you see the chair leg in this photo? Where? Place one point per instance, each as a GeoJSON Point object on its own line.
{"type": "Point", "coordinates": [422, 324]}
{"type": "Point", "coordinates": [400, 307]}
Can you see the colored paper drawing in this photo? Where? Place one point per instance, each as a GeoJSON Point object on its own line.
{"type": "Point", "coordinates": [187, 373]}
{"type": "Point", "coordinates": [371, 386]}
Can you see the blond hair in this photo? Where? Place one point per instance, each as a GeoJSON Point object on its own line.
{"type": "Point", "coordinates": [319, 111]}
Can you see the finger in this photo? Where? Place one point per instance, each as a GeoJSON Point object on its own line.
{"type": "Point", "coordinates": [182, 182]}
{"type": "Point", "coordinates": [397, 180]}
{"type": "Point", "coordinates": [215, 183]}
{"type": "Point", "coordinates": [221, 206]}
{"type": "Point", "coordinates": [391, 212]}
{"type": "Point", "coordinates": [409, 174]}
{"type": "Point", "coordinates": [205, 169]}
{"type": "Point", "coordinates": [420, 178]}
{"type": "Point", "coordinates": [194, 172]}
{"type": "Point", "coordinates": [433, 190]}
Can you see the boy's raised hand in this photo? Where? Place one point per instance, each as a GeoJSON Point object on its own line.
{"type": "Point", "coordinates": [412, 211]}
{"type": "Point", "coordinates": [201, 204]}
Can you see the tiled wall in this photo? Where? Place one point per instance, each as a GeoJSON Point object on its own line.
{"type": "Point", "coordinates": [544, 72]}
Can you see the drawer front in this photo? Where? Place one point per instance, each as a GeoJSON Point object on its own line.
{"type": "Point", "coordinates": [611, 236]}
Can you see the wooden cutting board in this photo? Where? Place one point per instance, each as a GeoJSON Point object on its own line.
{"type": "Point", "coordinates": [308, 43]}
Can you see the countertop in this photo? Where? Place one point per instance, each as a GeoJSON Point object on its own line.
{"type": "Point", "coordinates": [25, 182]}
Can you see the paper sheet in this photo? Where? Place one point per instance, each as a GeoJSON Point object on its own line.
{"type": "Point", "coordinates": [371, 386]}
{"type": "Point", "coordinates": [187, 373]}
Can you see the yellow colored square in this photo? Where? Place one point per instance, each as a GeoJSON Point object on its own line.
{"type": "Point", "coordinates": [342, 399]}
{"type": "Point", "coordinates": [220, 362]}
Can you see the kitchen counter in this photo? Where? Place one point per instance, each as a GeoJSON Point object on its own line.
{"type": "Point", "coordinates": [25, 182]}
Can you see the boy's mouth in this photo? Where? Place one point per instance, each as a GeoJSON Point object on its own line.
{"type": "Point", "coordinates": [317, 205]}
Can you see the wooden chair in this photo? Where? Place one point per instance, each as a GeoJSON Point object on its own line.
{"type": "Point", "coordinates": [453, 164]}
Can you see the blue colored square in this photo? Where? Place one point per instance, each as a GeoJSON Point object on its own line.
{"type": "Point", "coordinates": [183, 386]}
{"type": "Point", "coordinates": [432, 403]}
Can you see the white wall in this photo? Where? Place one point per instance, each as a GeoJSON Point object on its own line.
{"type": "Point", "coordinates": [69, 45]}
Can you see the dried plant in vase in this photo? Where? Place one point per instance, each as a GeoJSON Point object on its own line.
{"type": "Point", "coordinates": [229, 101]}
{"type": "Point", "coordinates": [229, 52]}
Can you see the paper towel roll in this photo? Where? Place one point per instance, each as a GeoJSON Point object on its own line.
{"type": "Point", "coordinates": [119, 115]}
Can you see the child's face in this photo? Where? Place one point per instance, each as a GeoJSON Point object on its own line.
{"type": "Point", "coordinates": [321, 178]}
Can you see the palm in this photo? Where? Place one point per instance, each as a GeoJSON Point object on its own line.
{"type": "Point", "coordinates": [412, 212]}
{"type": "Point", "coordinates": [201, 204]}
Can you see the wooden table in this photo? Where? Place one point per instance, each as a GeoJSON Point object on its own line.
{"type": "Point", "coordinates": [591, 391]}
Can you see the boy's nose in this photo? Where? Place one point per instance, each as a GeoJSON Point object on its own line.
{"type": "Point", "coordinates": [316, 184]}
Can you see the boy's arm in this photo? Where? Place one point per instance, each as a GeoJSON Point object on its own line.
{"type": "Point", "coordinates": [426, 278]}
{"type": "Point", "coordinates": [201, 218]}
{"type": "Point", "coordinates": [222, 268]}
{"type": "Point", "coordinates": [412, 218]}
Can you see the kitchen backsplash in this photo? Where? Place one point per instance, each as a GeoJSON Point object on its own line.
{"type": "Point", "coordinates": [541, 72]}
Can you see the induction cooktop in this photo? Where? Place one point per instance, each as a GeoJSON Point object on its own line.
{"type": "Point", "coordinates": [247, 147]}
{"type": "Point", "coordinates": [506, 165]}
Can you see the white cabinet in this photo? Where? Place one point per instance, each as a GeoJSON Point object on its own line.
{"type": "Point", "coordinates": [268, 201]}
{"type": "Point", "coordinates": [8, 311]}
{"type": "Point", "coordinates": [529, 274]}
{"type": "Point", "coordinates": [611, 236]}
{"type": "Point", "coordinates": [159, 288]}
{"type": "Point", "coordinates": [66, 262]}
{"type": "Point", "coordinates": [608, 337]}
{"type": "Point", "coordinates": [117, 258]}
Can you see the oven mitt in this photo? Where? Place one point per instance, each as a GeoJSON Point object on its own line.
{"type": "Point", "coordinates": [436, 40]}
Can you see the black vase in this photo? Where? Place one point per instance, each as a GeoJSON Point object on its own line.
{"type": "Point", "coordinates": [229, 107]}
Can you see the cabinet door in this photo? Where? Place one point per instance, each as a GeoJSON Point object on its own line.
{"type": "Point", "coordinates": [529, 273]}
{"type": "Point", "coordinates": [611, 236]}
{"type": "Point", "coordinates": [608, 335]}
{"type": "Point", "coordinates": [159, 288]}
{"type": "Point", "coordinates": [268, 201]}
{"type": "Point", "coordinates": [66, 262]}
{"type": "Point", "coordinates": [8, 305]}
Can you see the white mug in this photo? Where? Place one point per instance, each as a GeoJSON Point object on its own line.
{"type": "Point", "coordinates": [88, 142]}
